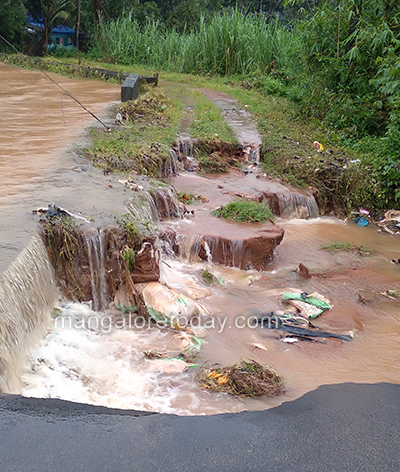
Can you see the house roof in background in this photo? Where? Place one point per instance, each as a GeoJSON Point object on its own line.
{"type": "Point", "coordinates": [62, 29]}
{"type": "Point", "coordinates": [59, 29]}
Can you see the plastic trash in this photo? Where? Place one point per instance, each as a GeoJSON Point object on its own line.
{"type": "Point", "coordinates": [318, 146]}
{"type": "Point", "coordinates": [191, 352]}
{"type": "Point", "coordinates": [289, 326]}
{"type": "Point", "coordinates": [361, 221]}
{"type": "Point", "coordinates": [391, 223]}
{"type": "Point", "coordinates": [166, 303]}
{"type": "Point", "coordinates": [302, 300]}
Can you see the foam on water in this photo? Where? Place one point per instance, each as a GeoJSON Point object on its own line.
{"type": "Point", "coordinates": [87, 360]}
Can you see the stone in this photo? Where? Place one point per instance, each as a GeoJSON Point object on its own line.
{"type": "Point", "coordinates": [147, 267]}
{"type": "Point", "coordinates": [304, 273]}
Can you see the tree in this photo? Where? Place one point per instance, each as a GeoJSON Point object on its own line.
{"type": "Point", "coordinates": [54, 12]}
{"type": "Point", "coordinates": [78, 21]}
{"type": "Point", "coordinates": [12, 19]}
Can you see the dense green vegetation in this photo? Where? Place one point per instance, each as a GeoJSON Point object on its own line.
{"type": "Point", "coordinates": [336, 61]}
{"type": "Point", "coordinates": [231, 43]}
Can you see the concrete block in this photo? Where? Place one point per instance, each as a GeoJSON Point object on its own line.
{"type": "Point", "coordinates": [130, 88]}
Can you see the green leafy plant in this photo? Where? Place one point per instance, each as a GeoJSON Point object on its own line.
{"type": "Point", "coordinates": [128, 256]}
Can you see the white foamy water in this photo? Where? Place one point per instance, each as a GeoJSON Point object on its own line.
{"type": "Point", "coordinates": [85, 359]}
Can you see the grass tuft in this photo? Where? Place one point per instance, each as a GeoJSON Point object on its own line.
{"type": "Point", "coordinates": [247, 212]}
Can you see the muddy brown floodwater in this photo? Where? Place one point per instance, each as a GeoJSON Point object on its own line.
{"type": "Point", "coordinates": [373, 355]}
{"type": "Point", "coordinates": [38, 127]}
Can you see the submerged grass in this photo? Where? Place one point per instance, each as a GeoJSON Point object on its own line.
{"type": "Point", "coordinates": [186, 197]}
{"type": "Point", "coordinates": [244, 211]}
{"type": "Point", "coordinates": [208, 277]}
{"type": "Point", "coordinates": [346, 246]}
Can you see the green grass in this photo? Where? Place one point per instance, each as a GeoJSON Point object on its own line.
{"type": "Point", "coordinates": [128, 256]}
{"type": "Point", "coordinates": [208, 121]}
{"type": "Point", "coordinates": [142, 144]}
{"type": "Point", "coordinates": [231, 43]}
{"type": "Point", "coordinates": [346, 246]}
{"type": "Point", "coordinates": [247, 212]}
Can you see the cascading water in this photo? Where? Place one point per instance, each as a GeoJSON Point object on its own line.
{"type": "Point", "coordinates": [155, 205]}
{"type": "Point", "coordinates": [208, 251]}
{"type": "Point", "coordinates": [194, 248]}
{"type": "Point", "coordinates": [254, 156]}
{"type": "Point", "coordinates": [186, 146]}
{"type": "Point", "coordinates": [171, 166]}
{"type": "Point", "coordinates": [186, 152]}
{"type": "Point", "coordinates": [95, 244]}
{"type": "Point", "coordinates": [143, 208]}
{"type": "Point", "coordinates": [167, 203]}
{"type": "Point", "coordinates": [27, 297]}
{"type": "Point", "coordinates": [187, 247]}
{"type": "Point", "coordinates": [297, 205]}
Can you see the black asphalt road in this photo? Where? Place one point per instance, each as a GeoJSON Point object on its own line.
{"type": "Point", "coordinates": [347, 427]}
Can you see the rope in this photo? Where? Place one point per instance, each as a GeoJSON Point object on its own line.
{"type": "Point", "coordinates": [58, 85]}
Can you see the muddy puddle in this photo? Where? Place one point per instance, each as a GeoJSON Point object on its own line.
{"type": "Point", "coordinates": [105, 365]}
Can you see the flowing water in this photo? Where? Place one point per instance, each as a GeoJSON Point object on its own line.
{"type": "Point", "coordinates": [88, 357]}
{"type": "Point", "coordinates": [38, 129]}
{"type": "Point", "coordinates": [27, 297]}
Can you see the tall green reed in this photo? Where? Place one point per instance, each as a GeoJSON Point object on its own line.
{"type": "Point", "coordinates": [231, 43]}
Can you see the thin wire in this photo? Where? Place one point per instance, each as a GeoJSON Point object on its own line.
{"type": "Point", "coordinates": [58, 85]}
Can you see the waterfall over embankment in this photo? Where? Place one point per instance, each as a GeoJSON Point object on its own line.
{"type": "Point", "coordinates": [27, 296]}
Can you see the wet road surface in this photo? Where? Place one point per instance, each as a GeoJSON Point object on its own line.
{"type": "Point", "coordinates": [347, 427]}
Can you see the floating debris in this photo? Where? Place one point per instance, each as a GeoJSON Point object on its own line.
{"type": "Point", "coordinates": [54, 211]}
{"type": "Point", "coordinates": [309, 306]}
{"type": "Point", "coordinates": [246, 379]}
{"type": "Point", "coordinates": [153, 354]}
{"type": "Point", "coordinates": [392, 294]}
{"type": "Point", "coordinates": [291, 325]}
{"type": "Point", "coordinates": [391, 223]}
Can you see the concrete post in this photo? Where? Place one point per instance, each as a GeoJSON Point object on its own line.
{"type": "Point", "coordinates": [130, 88]}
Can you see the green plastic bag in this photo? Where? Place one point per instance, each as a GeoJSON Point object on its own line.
{"type": "Point", "coordinates": [322, 305]}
